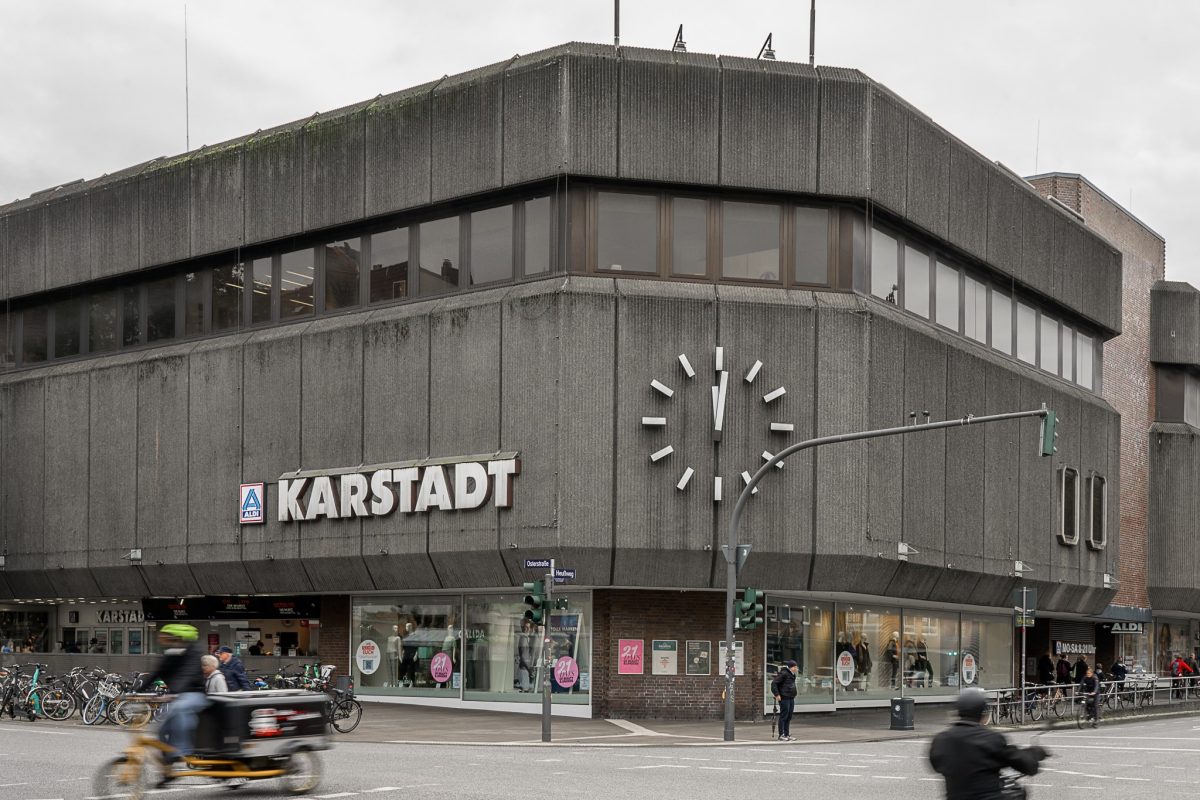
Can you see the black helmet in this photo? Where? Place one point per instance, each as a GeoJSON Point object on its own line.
{"type": "Point", "coordinates": [971, 704]}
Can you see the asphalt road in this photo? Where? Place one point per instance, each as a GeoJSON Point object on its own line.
{"type": "Point", "coordinates": [1149, 759]}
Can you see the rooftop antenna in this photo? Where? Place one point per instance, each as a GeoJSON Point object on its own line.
{"type": "Point", "coordinates": [187, 103]}
{"type": "Point", "coordinates": [767, 51]}
{"type": "Point", "coordinates": [812, 34]}
{"type": "Point", "coordinates": [616, 23]}
{"type": "Point", "coordinates": [680, 46]}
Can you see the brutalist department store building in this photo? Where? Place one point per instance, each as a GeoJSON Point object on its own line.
{"type": "Point", "coordinates": [499, 317]}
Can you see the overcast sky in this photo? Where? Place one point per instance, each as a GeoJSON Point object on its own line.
{"type": "Point", "coordinates": [92, 86]}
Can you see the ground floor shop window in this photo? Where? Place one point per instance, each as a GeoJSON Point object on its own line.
{"type": "Point", "coordinates": [989, 643]}
{"type": "Point", "coordinates": [801, 631]}
{"type": "Point", "coordinates": [418, 642]}
{"type": "Point", "coordinates": [1172, 637]}
{"type": "Point", "coordinates": [25, 631]}
{"type": "Point", "coordinates": [871, 638]}
{"type": "Point", "coordinates": [930, 651]}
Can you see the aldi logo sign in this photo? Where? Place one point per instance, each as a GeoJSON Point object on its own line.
{"type": "Point", "coordinates": [251, 503]}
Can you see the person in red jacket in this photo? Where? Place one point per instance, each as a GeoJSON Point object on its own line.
{"type": "Point", "coordinates": [1179, 671]}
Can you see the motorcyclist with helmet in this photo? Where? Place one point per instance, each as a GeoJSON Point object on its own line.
{"type": "Point", "coordinates": [180, 670]}
{"type": "Point", "coordinates": [971, 756]}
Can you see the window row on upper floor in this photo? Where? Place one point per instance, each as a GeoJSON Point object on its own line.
{"type": "Point", "coordinates": [419, 259]}
{"type": "Point", "coordinates": [933, 287]}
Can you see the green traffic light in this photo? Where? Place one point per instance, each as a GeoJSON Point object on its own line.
{"type": "Point", "coordinates": [1049, 434]}
{"type": "Point", "coordinates": [536, 600]}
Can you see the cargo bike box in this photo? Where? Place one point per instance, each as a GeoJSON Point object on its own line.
{"type": "Point", "coordinates": [264, 723]}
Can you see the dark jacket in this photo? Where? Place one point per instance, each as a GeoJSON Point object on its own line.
{"type": "Point", "coordinates": [235, 675]}
{"type": "Point", "coordinates": [1080, 669]}
{"type": "Point", "coordinates": [970, 757]}
{"type": "Point", "coordinates": [1118, 671]}
{"type": "Point", "coordinates": [784, 684]}
{"type": "Point", "coordinates": [1045, 669]}
{"type": "Point", "coordinates": [179, 669]}
{"type": "Point", "coordinates": [1063, 670]}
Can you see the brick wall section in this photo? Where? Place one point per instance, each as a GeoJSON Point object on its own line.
{"type": "Point", "coordinates": [334, 644]}
{"type": "Point", "coordinates": [621, 614]}
{"type": "Point", "coordinates": [1128, 378]}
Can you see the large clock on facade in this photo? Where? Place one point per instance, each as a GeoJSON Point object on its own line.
{"type": "Point", "coordinates": [724, 382]}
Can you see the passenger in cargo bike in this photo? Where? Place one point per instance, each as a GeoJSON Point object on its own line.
{"type": "Point", "coordinates": [179, 669]}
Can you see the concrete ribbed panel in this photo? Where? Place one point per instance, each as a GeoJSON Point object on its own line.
{"type": "Point", "coordinates": [670, 116]}
{"type": "Point", "coordinates": [535, 136]}
{"type": "Point", "coordinates": [123, 581]}
{"type": "Point", "coordinates": [885, 409]}
{"type": "Point", "coordinates": [1004, 219]}
{"type": "Point", "coordinates": [162, 448]}
{"type": "Point", "coordinates": [1037, 249]}
{"type": "Point", "coordinates": [5, 266]}
{"type": "Point", "coordinates": [1096, 563]}
{"type": "Point", "coordinates": [464, 419]}
{"type": "Point", "coordinates": [1001, 488]}
{"type": "Point", "coordinates": [966, 381]}
{"type": "Point", "coordinates": [780, 330]}
{"type": "Point", "coordinates": [218, 212]}
{"type": "Point", "coordinates": [5, 589]}
{"type": "Point", "coordinates": [397, 150]}
{"type": "Point", "coordinates": [112, 465]}
{"type": "Point", "coordinates": [970, 177]}
{"type": "Point", "coordinates": [1036, 504]}
{"type": "Point", "coordinates": [661, 531]}
{"type": "Point", "coordinates": [274, 186]}
{"type": "Point", "coordinates": [113, 219]}
{"type": "Point", "coordinates": [954, 584]}
{"type": "Point", "coordinates": [1174, 323]}
{"type": "Point", "coordinates": [25, 253]}
{"type": "Point", "coordinates": [164, 215]}
{"type": "Point", "coordinates": [473, 102]}
{"type": "Point", "coordinates": [1102, 288]}
{"type": "Point", "coordinates": [842, 372]}
{"type": "Point", "coordinates": [1173, 558]}
{"type": "Point", "coordinates": [334, 152]}
{"type": "Point", "coordinates": [271, 374]}
{"type": "Point", "coordinates": [1067, 234]}
{"type": "Point", "coordinates": [768, 124]}
{"type": "Point", "coordinates": [72, 582]}
{"type": "Point", "coordinates": [66, 458]}
{"type": "Point", "coordinates": [584, 450]}
{"type": "Point", "coordinates": [1065, 560]}
{"type": "Point", "coordinates": [889, 149]}
{"type": "Point", "coordinates": [332, 385]}
{"type": "Point", "coordinates": [396, 387]}
{"type": "Point", "coordinates": [22, 407]}
{"type": "Point", "coordinates": [68, 251]}
{"type": "Point", "coordinates": [844, 162]}
{"type": "Point", "coordinates": [215, 398]}
{"type": "Point", "coordinates": [928, 180]}
{"type": "Point", "coordinates": [591, 113]}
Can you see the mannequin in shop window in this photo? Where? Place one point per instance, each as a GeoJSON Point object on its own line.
{"type": "Point", "coordinates": [909, 652]}
{"type": "Point", "coordinates": [791, 644]}
{"type": "Point", "coordinates": [410, 660]}
{"type": "Point", "coordinates": [393, 656]}
{"type": "Point", "coordinates": [862, 660]}
{"type": "Point", "coordinates": [891, 656]}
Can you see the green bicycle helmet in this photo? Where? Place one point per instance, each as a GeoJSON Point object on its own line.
{"type": "Point", "coordinates": [187, 633]}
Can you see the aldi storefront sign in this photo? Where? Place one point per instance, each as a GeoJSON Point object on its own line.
{"type": "Point", "coordinates": [411, 487]}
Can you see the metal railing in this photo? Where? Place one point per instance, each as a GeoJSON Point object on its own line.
{"type": "Point", "coordinates": [1137, 694]}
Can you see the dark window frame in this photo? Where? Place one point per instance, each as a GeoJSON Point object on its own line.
{"type": "Point", "coordinates": [1095, 478]}
{"type": "Point", "coordinates": [1066, 473]}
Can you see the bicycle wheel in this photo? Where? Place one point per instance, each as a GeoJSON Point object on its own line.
{"type": "Point", "coordinates": [131, 713]}
{"type": "Point", "coordinates": [346, 715]}
{"type": "Point", "coordinates": [121, 778]}
{"type": "Point", "coordinates": [1036, 710]}
{"type": "Point", "coordinates": [56, 704]}
{"type": "Point", "coordinates": [1080, 713]}
{"type": "Point", "coordinates": [1057, 705]}
{"type": "Point", "coordinates": [93, 710]}
{"type": "Point", "coordinates": [303, 772]}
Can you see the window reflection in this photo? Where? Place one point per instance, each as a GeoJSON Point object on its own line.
{"type": "Point", "coordinates": [439, 256]}
{"type": "Point", "coordinates": [342, 269]}
{"type": "Point", "coordinates": [491, 245]}
{"type": "Point", "coordinates": [7, 357]}
{"type": "Point", "coordinates": [538, 240]}
{"type": "Point", "coordinates": [131, 316]}
{"type": "Point", "coordinates": [916, 281]}
{"type": "Point", "coordinates": [931, 652]}
{"type": "Point", "coordinates": [262, 281]}
{"type": "Point", "coordinates": [689, 236]}
{"type": "Point", "coordinates": [160, 309]}
{"type": "Point", "coordinates": [750, 241]}
{"type": "Point", "coordinates": [975, 309]}
{"type": "Point", "coordinates": [194, 301]}
{"type": "Point", "coordinates": [1083, 360]}
{"type": "Point", "coordinates": [801, 631]}
{"type": "Point", "coordinates": [295, 283]}
{"type": "Point", "coordinates": [1049, 348]}
{"type": "Point", "coordinates": [389, 265]}
{"type": "Point", "coordinates": [947, 296]}
{"type": "Point", "coordinates": [885, 272]}
{"type": "Point", "coordinates": [1026, 334]}
{"type": "Point", "coordinates": [35, 326]}
{"type": "Point", "coordinates": [1068, 353]}
{"type": "Point", "coordinates": [66, 328]}
{"type": "Point", "coordinates": [227, 285]}
{"type": "Point", "coordinates": [102, 322]}
{"type": "Point", "coordinates": [627, 232]}
{"type": "Point", "coordinates": [871, 637]}
{"type": "Point", "coordinates": [812, 245]}
{"type": "Point", "coordinates": [1002, 323]}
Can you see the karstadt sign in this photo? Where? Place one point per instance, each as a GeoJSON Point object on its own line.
{"type": "Point", "coordinates": [462, 483]}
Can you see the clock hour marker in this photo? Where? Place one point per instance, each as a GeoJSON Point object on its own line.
{"type": "Point", "coordinates": [770, 397]}
{"type": "Point", "coordinates": [746, 480]}
{"type": "Point", "coordinates": [654, 422]}
{"type": "Point", "coordinates": [665, 391]}
{"type": "Point", "coordinates": [687, 476]}
{"type": "Point", "coordinates": [768, 456]}
{"type": "Point", "coordinates": [687, 365]}
{"type": "Point", "coordinates": [716, 489]}
{"type": "Point", "coordinates": [661, 454]}
{"type": "Point", "coordinates": [720, 359]}
{"type": "Point", "coordinates": [782, 427]}
{"type": "Point", "coordinates": [753, 373]}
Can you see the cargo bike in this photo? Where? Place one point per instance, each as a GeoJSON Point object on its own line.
{"type": "Point", "coordinates": [243, 736]}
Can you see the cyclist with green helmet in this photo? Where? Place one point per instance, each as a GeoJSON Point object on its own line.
{"type": "Point", "coordinates": [180, 670]}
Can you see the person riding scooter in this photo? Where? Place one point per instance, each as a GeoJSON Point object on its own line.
{"type": "Point", "coordinates": [179, 669]}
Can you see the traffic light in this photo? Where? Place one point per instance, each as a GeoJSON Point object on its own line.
{"type": "Point", "coordinates": [562, 604]}
{"type": "Point", "coordinates": [1049, 434]}
{"type": "Point", "coordinates": [749, 609]}
{"type": "Point", "coordinates": [536, 600]}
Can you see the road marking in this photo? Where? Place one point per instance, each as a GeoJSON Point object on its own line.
{"type": "Point", "coordinates": [850, 766]}
{"type": "Point", "coordinates": [890, 777]}
{"type": "Point", "coordinates": [843, 775]}
{"type": "Point", "coordinates": [1122, 778]}
{"type": "Point", "coordinates": [26, 783]}
{"type": "Point", "coordinates": [338, 794]}
{"type": "Point", "coordinates": [382, 789]}
{"type": "Point", "coordinates": [777, 763]}
{"type": "Point", "coordinates": [657, 766]}
{"type": "Point", "coordinates": [929, 779]}
{"type": "Point", "coordinates": [747, 769]}
{"type": "Point", "coordinates": [690, 758]}
{"type": "Point", "coordinates": [634, 728]}
{"type": "Point", "coordinates": [797, 772]}
{"type": "Point", "coordinates": [35, 730]}
{"type": "Point", "coordinates": [1088, 788]}
{"type": "Point", "coordinates": [1114, 747]}
{"type": "Point", "coordinates": [724, 768]}
{"type": "Point", "coordinates": [559, 760]}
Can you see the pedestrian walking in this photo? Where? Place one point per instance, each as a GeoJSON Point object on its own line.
{"type": "Point", "coordinates": [1081, 668]}
{"type": "Point", "coordinates": [1180, 672]}
{"type": "Point", "coordinates": [1045, 669]}
{"type": "Point", "coordinates": [784, 690]}
{"type": "Point", "coordinates": [970, 756]}
{"type": "Point", "coordinates": [1062, 670]}
{"type": "Point", "coordinates": [214, 681]}
{"type": "Point", "coordinates": [234, 671]}
{"type": "Point", "coordinates": [1089, 687]}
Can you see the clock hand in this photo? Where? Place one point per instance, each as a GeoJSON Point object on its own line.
{"type": "Point", "coordinates": [718, 399]}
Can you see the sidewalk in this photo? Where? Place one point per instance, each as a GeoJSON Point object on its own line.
{"type": "Point", "coordinates": [404, 724]}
